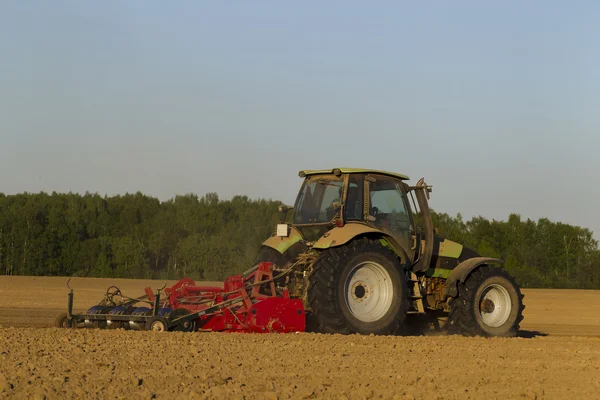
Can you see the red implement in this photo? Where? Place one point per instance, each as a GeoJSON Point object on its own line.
{"type": "Point", "coordinates": [244, 304]}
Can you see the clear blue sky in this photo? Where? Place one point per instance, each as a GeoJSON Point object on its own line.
{"type": "Point", "coordinates": [495, 103]}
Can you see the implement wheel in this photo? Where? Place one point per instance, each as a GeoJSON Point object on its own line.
{"type": "Point", "coordinates": [187, 326]}
{"type": "Point", "coordinates": [62, 321]}
{"type": "Point", "coordinates": [358, 288]}
{"type": "Point", "coordinates": [489, 303]}
{"type": "Point", "coordinates": [157, 324]}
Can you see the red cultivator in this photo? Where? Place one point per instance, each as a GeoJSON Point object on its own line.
{"type": "Point", "coordinates": [245, 303]}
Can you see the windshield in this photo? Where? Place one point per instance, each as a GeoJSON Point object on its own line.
{"type": "Point", "coordinates": [319, 199]}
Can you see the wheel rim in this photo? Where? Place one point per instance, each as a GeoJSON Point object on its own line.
{"type": "Point", "coordinates": [369, 291]}
{"type": "Point", "coordinates": [494, 305]}
{"type": "Point", "coordinates": [157, 326]}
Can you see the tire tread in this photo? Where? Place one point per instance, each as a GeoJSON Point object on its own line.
{"type": "Point", "coordinates": [322, 292]}
{"type": "Point", "coordinates": [462, 320]}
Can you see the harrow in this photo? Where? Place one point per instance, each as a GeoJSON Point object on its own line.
{"type": "Point", "coordinates": [245, 303]}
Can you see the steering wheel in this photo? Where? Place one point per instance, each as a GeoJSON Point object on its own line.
{"type": "Point", "coordinates": [112, 291]}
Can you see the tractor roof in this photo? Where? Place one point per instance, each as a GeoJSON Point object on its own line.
{"type": "Point", "coordinates": [308, 172]}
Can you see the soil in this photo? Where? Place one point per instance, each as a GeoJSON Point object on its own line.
{"type": "Point", "coordinates": [558, 355]}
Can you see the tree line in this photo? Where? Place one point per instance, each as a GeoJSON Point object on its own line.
{"type": "Point", "coordinates": [138, 236]}
{"type": "Point", "coordinates": [131, 236]}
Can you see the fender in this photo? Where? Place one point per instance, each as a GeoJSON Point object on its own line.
{"type": "Point", "coordinates": [339, 236]}
{"type": "Point", "coordinates": [282, 244]}
{"type": "Point", "coordinates": [463, 270]}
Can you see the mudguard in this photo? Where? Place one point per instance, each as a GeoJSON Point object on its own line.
{"type": "Point", "coordinates": [339, 236]}
{"type": "Point", "coordinates": [335, 237]}
{"type": "Point", "coordinates": [462, 271]}
{"type": "Point", "coordinates": [282, 244]}
{"type": "Point", "coordinates": [342, 235]}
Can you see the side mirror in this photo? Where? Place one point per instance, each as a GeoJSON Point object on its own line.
{"type": "Point", "coordinates": [283, 212]}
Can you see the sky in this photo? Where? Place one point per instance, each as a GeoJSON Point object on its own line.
{"type": "Point", "coordinates": [494, 103]}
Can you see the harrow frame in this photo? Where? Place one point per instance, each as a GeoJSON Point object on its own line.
{"type": "Point", "coordinates": [245, 303]}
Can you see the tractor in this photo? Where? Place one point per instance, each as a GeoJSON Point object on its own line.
{"type": "Point", "coordinates": [356, 254]}
{"type": "Point", "coordinates": [360, 249]}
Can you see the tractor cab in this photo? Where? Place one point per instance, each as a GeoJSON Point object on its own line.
{"type": "Point", "coordinates": [334, 206]}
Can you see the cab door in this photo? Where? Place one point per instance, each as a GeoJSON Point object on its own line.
{"type": "Point", "coordinates": [389, 210]}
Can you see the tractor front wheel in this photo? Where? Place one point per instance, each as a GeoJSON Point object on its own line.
{"type": "Point", "coordinates": [270, 255]}
{"type": "Point", "coordinates": [358, 288]}
{"type": "Point", "coordinates": [489, 303]}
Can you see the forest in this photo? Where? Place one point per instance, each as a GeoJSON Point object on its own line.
{"type": "Point", "coordinates": [138, 236]}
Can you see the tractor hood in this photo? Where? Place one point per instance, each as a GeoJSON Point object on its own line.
{"type": "Point", "coordinates": [446, 256]}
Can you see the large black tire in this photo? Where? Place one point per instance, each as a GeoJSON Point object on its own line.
{"type": "Point", "coordinates": [474, 311]}
{"type": "Point", "coordinates": [335, 295]}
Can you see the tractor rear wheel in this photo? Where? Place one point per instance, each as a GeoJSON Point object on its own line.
{"type": "Point", "coordinates": [489, 303]}
{"type": "Point", "coordinates": [358, 288]}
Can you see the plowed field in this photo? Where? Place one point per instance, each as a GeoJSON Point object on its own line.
{"type": "Point", "coordinates": [557, 357]}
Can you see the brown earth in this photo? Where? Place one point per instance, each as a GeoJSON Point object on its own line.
{"type": "Point", "coordinates": [548, 362]}
{"type": "Point", "coordinates": [31, 301]}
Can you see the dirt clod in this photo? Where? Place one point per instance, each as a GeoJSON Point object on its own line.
{"type": "Point", "coordinates": [5, 385]}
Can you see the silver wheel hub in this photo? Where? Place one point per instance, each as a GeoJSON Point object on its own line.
{"type": "Point", "coordinates": [494, 305]}
{"type": "Point", "coordinates": [360, 291]}
{"type": "Point", "coordinates": [158, 327]}
{"type": "Point", "coordinates": [369, 291]}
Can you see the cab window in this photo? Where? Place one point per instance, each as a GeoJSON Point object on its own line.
{"type": "Point", "coordinates": [319, 200]}
{"type": "Point", "coordinates": [388, 208]}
